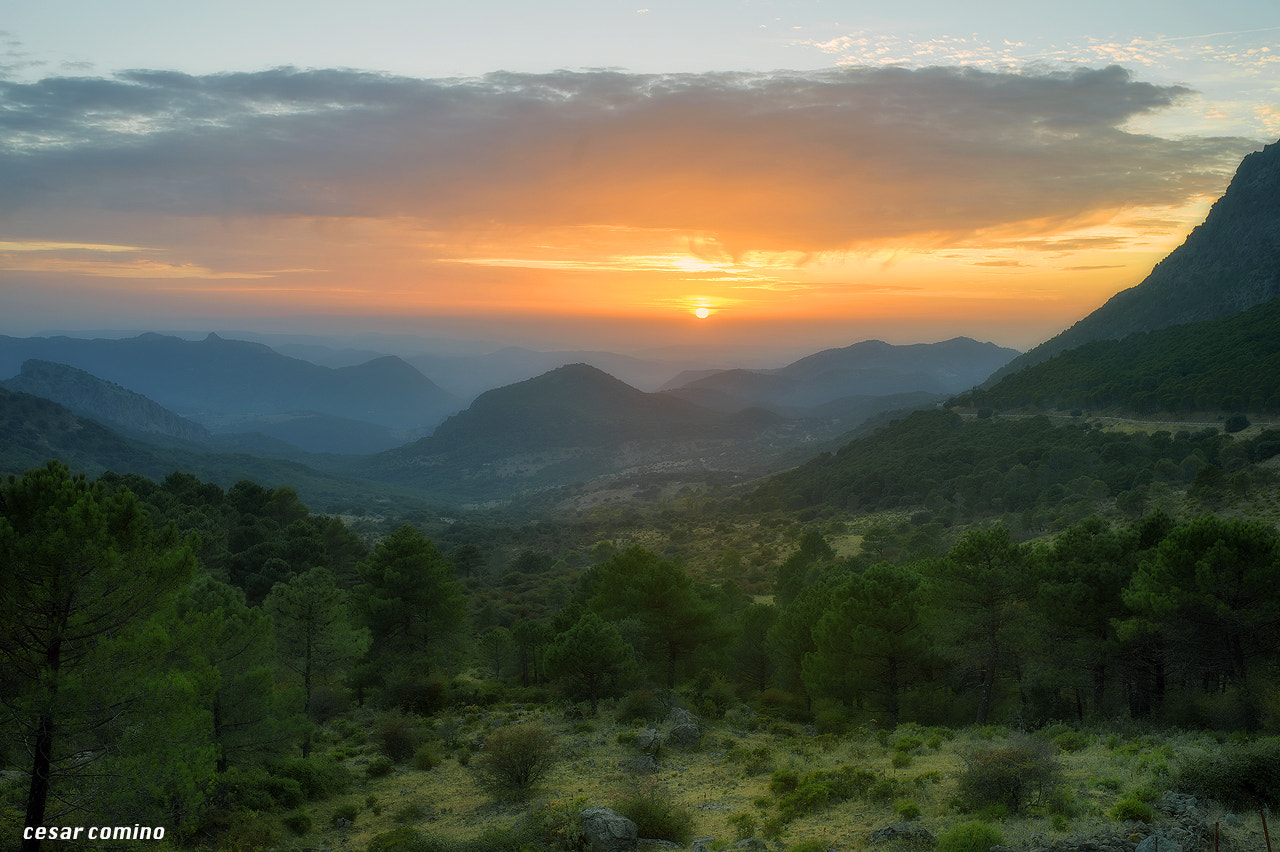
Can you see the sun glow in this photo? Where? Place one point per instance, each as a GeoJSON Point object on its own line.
{"type": "Point", "coordinates": [702, 313]}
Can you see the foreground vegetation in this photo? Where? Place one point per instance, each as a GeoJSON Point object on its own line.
{"type": "Point", "coordinates": [251, 675]}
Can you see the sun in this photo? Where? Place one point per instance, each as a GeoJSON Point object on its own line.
{"type": "Point", "coordinates": [702, 313]}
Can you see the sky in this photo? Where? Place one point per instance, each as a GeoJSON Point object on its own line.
{"type": "Point", "coordinates": [626, 176]}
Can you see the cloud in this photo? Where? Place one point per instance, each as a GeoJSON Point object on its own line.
{"type": "Point", "coordinates": [799, 162]}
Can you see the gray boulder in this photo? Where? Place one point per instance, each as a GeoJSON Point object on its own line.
{"type": "Point", "coordinates": [1153, 842]}
{"type": "Point", "coordinates": [606, 830]}
{"type": "Point", "coordinates": [907, 832]}
{"type": "Point", "coordinates": [649, 741]}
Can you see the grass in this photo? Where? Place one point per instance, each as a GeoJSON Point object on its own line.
{"type": "Point", "coordinates": [1106, 777]}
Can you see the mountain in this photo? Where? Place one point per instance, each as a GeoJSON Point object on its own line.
{"type": "Point", "coordinates": [1228, 263]}
{"type": "Point", "coordinates": [34, 430]}
{"type": "Point", "coordinates": [572, 424]}
{"type": "Point", "coordinates": [105, 401]}
{"type": "Point", "coordinates": [225, 384]}
{"type": "Point", "coordinates": [869, 368]}
{"type": "Point", "coordinates": [470, 375]}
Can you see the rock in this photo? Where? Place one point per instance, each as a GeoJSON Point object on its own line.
{"type": "Point", "coordinates": [649, 741]}
{"type": "Point", "coordinates": [573, 712]}
{"type": "Point", "coordinates": [1231, 820]}
{"type": "Point", "coordinates": [679, 716]}
{"type": "Point", "coordinates": [685, 736]}
{"type": "Point", "coordinates": [752, 844]}
{"type": "Point", "coordinates": [1155, 842]}
{"type": "Point", "coordinates": [701, 844]}
{"type": "Point", "coordinates": [642, 765]}
{"type": "Point", "coordinates": [606, 830]}
{"type": "Point", "coordinates": [906, 831]}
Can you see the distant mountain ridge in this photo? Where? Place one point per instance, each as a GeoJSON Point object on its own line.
{"type": "Point", "coordinates": [239, 386]}
{"type": "Point", "coordinates": [86, 394]}
{"type": "Point", "coordinates": [870, 368]}
{"type": "Point", "coordinates": [1229, 263]}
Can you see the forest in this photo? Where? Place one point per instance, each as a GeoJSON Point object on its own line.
{"type": "Point", "coordinates": [180, 655]}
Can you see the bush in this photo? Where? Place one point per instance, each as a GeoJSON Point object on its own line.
{"type": "Point", "coordinates": [397, 736]}
{"type": "Point", "coordinates": [517, 757]}
{"type": "Point", "coordinates": [257, 790]}
{"type": "Point", "coordinates": [319, 778]}
{"type": "Point", "coordinates": [1132, 808]}
{"type": "Point", "coordinates": [1070, 741]}
{"type": "Point", "coordinates": [901, 760]}
{"type": "Point", "coordinates": [348, 811]}
{"type": "Point", "coordinates": [1012, 775]}
{"type": "Point", "coordinates": [812, 845]}
{"type": "Point", "coordinates": [907, 810]}
{"type": "Point", "coordinates": [299, 822]}
{"type": "Point", "coordinates": [656, 814]}
{"type": "Point", "coordinates": [426, 758]}
{"type": "Point", "coordinates": [744, 825]}
{"type": "Point", "coordinates": [1237, 775]}
{"type": "Point", "coordinates": [641, 706]}
{"type": "Point", "coordinates": [970, 837]}
{"type": "Point", "coordinates": [379, 767]}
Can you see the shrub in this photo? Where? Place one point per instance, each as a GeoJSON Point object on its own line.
{"type": "Point", "coordinates": [257, 790]}
{"type": "Point", "coordinates": [907, 810]}
{"type": "Point", "coordinates": [517, 757]}
{"type": "Point", "coordinates": [783, 781]}
{"type": "Point", "coordinates": [426, 758]}
{"type": "Point", "coordinates": [397, 736]}
{"type": "Point", "coordinates": [379, 767]}
{"type": "Point", "coordinates": [1012, 775]}
{"type": "Point", "coordinates": [348, 811]}
{"type": "Point", "coordinates": [901, 760]}
{"type": "Point", "coordinates": [744, 825]}
{"type": "Point", "coordinates": [972, 836]}
{"type": "Point", "coordinates": [1070, 741]}
{"type": "Point", "coordinates": [319, 778]}
{"type": "Point", "coordinates": [299, 821]}
{"type": "Point", "coordinates": [1237, 775]}
{"type": "Point", "coordinates": [1132, 808]}
{"type": "Point", "coordinates": [656, 814]}
{"type": "Point", "coordinates": [641, 706]}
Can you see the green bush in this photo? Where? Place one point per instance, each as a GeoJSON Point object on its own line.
{"type": "Point", "coordinates": [901, 760]}
{"type": "Point", "coordinates": [812, 845]}
{"type": "Point", "coordinates": [972, 836]}
{"type": "Point", "coordinates": [1239, 775]}
{"type": "Point", "coordinates": [397, 736]}
{"type": "Point", "coordinates": [426, 758]}
{"type": "Point", "coordinates": [379, 767]}
{"type": "Point", "coordinates": [257, 790]}
{"type": "Point", "coordinates": [517, 757]}
{"type": "Point", "coordinates": [299, 821]}
{"type": "Point", "coordinates": [318, 777]}
{"type": "Point", "coordinates": [744, 825]}
{"type": "Point", "coordinates": [907, 810]}
{"type": "Point", "coordinates": [1071, 741]}
{"type": "Point", "coordinates": [641, 706]}
{"type": "Point", "coordinates": [656, 814]}
{"type": "Point", "coordinates": [1132, 808]}
{"type": "Point", "coordinates": [1013, 775]}
{"type": "Point", "coordinates": [347, 810]}
{"type": "Point", "coordinates": [783, 781]}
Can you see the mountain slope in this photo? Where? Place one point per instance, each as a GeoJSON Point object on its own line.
{"type": "Point", "coordinates": [85, 393]}
{"type": "Point", "coordinates": [1228, 364]}
{"type": "Point", "coordinates": [1229, 263]}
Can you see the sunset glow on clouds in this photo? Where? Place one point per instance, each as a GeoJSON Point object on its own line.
{"type": "Point", "coordinates": [878, 193]}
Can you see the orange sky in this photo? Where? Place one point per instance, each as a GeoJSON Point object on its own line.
{"type": "Point", "coordinates": [597, 208]}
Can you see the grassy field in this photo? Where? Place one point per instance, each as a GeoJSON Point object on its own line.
{"type": "Point", "coordinates": [754, 777]}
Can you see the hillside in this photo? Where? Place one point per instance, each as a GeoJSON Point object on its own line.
{"type": "Point", "coordinates": [1229, 263]}
{"type": "Point", "coordinates": [86, 394]}
{"type": "Point", "coordinates": [35, 430]}
{"type": "Point", "coordinates": [1229, 364]}
{"type": "Point", "coordinates": [965, 469]}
